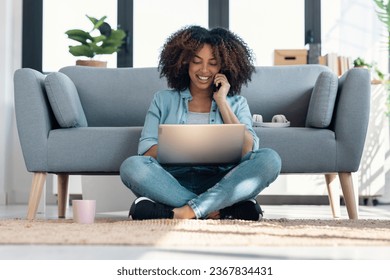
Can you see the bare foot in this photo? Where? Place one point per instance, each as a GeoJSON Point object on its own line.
{"type": "Point", "coordinates": [214, 215]}
{"type": "Point", "coordinates": [184, 212]}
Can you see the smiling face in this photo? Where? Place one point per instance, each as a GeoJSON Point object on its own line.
{"type": "Point", "coordinates": [202, 69]}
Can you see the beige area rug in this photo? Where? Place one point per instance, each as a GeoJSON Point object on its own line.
{"type": "Point", "coordinates": [281, 232]}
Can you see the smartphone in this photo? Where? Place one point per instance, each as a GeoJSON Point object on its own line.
{"type": "Point", "coordinates": [216, 87]}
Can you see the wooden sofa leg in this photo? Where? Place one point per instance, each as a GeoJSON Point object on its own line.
{"type": "Point", "coordinates": [38, 181]}
{"type": "Point", "coordinates": [333, 194]}
{"type": "Point", "coordinates": [62, 184]}
{"type": "Point", "coordinates": [349, 194]}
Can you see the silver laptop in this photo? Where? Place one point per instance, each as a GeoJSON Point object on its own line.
{"type": "Point", "coordinates": [200, 144]}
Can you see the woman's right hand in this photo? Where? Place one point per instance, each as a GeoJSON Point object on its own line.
{"type": "Point", "coordinates": [222, 83]}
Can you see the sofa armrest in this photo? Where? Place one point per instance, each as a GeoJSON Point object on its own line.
{"type": "Point", "coordinates": [351, 118]}
{"type": "Point", "coordinates": [34, 117]}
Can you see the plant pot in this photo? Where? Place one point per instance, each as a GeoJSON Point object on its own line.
{"type": "Point", "coordinates": [91, 63]}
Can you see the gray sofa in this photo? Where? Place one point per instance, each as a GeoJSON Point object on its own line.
{"type": "Point", "coordinates": [102, 121]}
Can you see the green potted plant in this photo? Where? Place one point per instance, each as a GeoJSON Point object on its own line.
{"type": "Point", "coordinates": [101, 40]}
{"type": "Point", "coordinates": [378, 77]}
{"type": "Point", "coordinates": [360, 62]}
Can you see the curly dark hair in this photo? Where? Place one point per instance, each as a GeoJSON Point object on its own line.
{"type": "Point", "coordinates": [231, 52]}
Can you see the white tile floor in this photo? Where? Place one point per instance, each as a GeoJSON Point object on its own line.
{"type": "Point", "coordinates": [26, 252]}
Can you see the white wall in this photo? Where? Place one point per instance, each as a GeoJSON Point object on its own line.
{"type": "Point", "coordinates": [14, 179]}
{"type": "Point", "coordinates": [10, 58]}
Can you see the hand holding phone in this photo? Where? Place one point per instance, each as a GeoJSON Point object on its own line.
{"type": "Point", "coordinates": [216, 87]}
{"type": "Point", "coordinates": [221, 86]}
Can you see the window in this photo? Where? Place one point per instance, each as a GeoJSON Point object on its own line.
{"type": "Point", "coordinates": [60, 16]}
{"type": "Point", "coordinates": [351, 28]}
{"type": "Point", "coordinates": [155, 20]}
{"type": "Point", "coordinates": [268, 25]}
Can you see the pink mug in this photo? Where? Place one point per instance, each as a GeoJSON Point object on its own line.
{"type": "Point", "coordinates": [84, 211]}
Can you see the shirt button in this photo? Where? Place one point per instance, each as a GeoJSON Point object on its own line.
{"type": "Point", "coordinates": [212, 120]}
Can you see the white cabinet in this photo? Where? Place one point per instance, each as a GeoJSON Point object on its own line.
{"type": "Point", "coordinates": [371, 176]}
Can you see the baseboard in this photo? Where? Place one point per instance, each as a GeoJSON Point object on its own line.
{"type": "Point", "coordinates": [293, 199]}
{"type": "Point", "coordinates": [3, 198]}
{"type": "Point", "coordinates": [310, 200]}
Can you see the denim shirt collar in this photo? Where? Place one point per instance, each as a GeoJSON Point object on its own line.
{"type": "Point", "coordinates": [214, 112]}
{"type": "Point", "coordinates": [186, 94]}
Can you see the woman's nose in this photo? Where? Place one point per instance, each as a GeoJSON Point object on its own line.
{"type": "Point", "coordinates": [205, 67]}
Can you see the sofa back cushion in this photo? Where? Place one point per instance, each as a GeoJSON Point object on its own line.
{"type": "Point", "coordinates": [121, 96]}
{"type": "Point", "coordinates": [64, 100]}
{"type": "Point", "coordinates": [322, 100]}
{"type": "Point", "coordinates": [282, 90]}
{"type": "Point", "coordinates": [115, 97]}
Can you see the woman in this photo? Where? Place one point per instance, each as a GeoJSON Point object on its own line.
{"type": "Point", "coordinates": [205, 70]}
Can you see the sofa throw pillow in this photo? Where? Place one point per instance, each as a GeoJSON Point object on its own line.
{"type": "Point", "coordinates": [322, 100]}
{"type": "Point", "coordinates": [64, 100]}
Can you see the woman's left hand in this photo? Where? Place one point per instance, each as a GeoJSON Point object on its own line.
{"type": "Point", "coordinates": [221, 81]}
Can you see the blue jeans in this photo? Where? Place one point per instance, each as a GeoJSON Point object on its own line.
{"type": "Point", "coordinates": [204, 188]}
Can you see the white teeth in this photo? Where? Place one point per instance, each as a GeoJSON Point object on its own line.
{"type": "Point", "coordinates": [203, 78]}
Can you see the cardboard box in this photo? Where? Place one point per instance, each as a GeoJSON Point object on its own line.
{"type": "Point", "coordinates": [290, 57]}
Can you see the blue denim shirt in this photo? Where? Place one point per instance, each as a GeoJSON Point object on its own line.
{"type": "Point", "coordinates": [171, 107]}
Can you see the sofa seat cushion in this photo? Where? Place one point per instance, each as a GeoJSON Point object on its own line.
{"type": "Point", "coordinates": [64, 100]}
{"type": "Point", "coordinates": [91, 149]}
{"type": "Point", "coordinates": [322, 100]}
{"type": "Point", "coordinates": [302, 150]}
{"type": "Point", "coordinates": [103, 149]}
